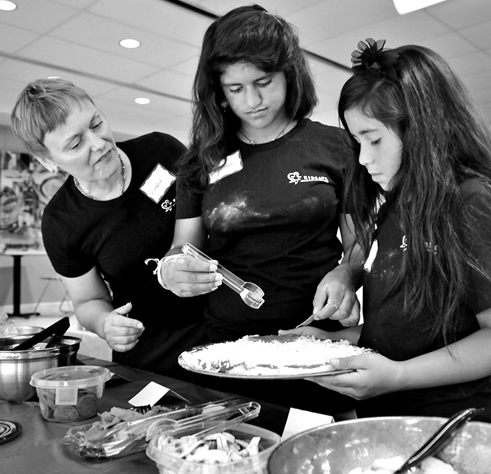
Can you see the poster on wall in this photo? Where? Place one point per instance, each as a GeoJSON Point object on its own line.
{"type": "Point", "coordinates": [25, 189]}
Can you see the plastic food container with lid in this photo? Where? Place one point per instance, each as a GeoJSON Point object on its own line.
{"type": "Point", "coordinates": [71, 393]}
{"type": "Point", "coordinates": [257, 464]}
{"type": "Point", "coordinates": [193, 446]}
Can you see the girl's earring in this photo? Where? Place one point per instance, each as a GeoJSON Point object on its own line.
{"type": "Point", "coordinates": [51, 167]}
{"type": "Point", "coordinates": [224, 105]}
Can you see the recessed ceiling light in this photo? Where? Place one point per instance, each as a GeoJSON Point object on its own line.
{"type": "Point", "coordinates": [7, 6]}
{"type": "Point", "coordinates": [407, 6]}
{"type": "Point", "coordinates": [129, 43]}
{"type": "Point", "coordinates": [142, 100]}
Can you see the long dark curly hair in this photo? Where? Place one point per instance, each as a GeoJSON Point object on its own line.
{"type": "Point", "coordinates": [445, 142]}
{"type": "Point", "coordinates": [252, 35]}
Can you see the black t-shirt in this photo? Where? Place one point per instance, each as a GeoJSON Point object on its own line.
{"type": "Point", "coordinates": [400, 338]}
{"type": "Point", "coordinates": [117, 236]}
{"type": "Point", "coordinates": [272, 214]}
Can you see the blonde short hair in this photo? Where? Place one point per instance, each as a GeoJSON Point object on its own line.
{"type": "Point", "coordinates": [41, 107]}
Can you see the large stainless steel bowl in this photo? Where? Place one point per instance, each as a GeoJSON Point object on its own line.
{"type": "Point", "coordinates": [340, 447]}
{"type": "Point", "coordinates": [16, 367]}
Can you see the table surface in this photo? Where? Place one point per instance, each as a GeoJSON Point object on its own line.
{"type": "Point", "coordinates": [38, 451]}
{"type": "Point", "coordinates": [20, 252]}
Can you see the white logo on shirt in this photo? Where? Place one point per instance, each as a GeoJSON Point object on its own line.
{"type": "Point", "coordinates": [433, 248]}
{"type": "Point", "coordinates": [168, 204]}
{"type": "Point", "coordinates": [296, 177]}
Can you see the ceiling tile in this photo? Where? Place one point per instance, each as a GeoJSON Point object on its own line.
{"type": "Point", "coordinates": [449, 45]}
{"type": "Point", "coordinates": [277, 7]}
{"type": "Point", "coordinates": [187, 67]}
{"type": "Point", "coordinates": [13, 38]}
{"type": "Point", "coordinates": [24, 72]}
{"type": "Point", "coordinates": [164, 106]}
{"type": "Point", "coordinates": [156, 16]}
{"type": "Point", "coordinates": [103, 34]}
{"type": "Point", "coordinates": [77, 3]}
{"type": "Point", "coordinates": [480, 34]}
{"type": "Point", "coordinates": [336, 17]}
{"type": "Point", "coordinates": [468, 64]}
{"type": "Point", "coordinates": [28, 13]}
{"type": "Point", "coordinates": [180, 84]}
{"type": "Point", "coordinates": [87, 60]}
{"type": "Point", "coordinates": [459, 14]}
{"type": "Point", "coordinates": [477, 82]}
{"type": "Point", "coordinates": [397, 31]}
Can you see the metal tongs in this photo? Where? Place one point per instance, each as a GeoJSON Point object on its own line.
{"type": "Point", "coordinates": [129, 437]}
{"type": "Point", "coordinates": [251, 294]}
{"type": "Point", "coordinates": [172, 438]}
{"type": "Point", "coordinates": [440, 439]}
{"type": "Point", "coordinates": [54, 332]}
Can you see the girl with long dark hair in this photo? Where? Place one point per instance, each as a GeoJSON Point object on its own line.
{"type": "Point", "coordinates": [263, 189]}
{"type": "Point", "coordinates": [420, 198]}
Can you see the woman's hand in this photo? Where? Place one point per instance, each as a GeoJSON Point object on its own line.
{"type": "Point", "coordinates": [186, 276]}
{"type": "Point", "coordinates": [335, 298]}
{"type": "Point", "coordinates": [374, 375]}
{"type": "Point", "coordinates": [121, 332]}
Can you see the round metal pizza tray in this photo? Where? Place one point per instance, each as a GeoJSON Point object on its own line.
{"type": "Point", "coordinates": [285, 376]}
{"type": "Point", "coordinates": [183, 364]}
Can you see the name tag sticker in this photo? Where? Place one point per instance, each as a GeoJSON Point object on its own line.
{"type": "Point", "coordinates": [232, 164]}
{"type": "Point", "coordinates": [371, 257]}
{"type": "Point", "coordinates": [157, 183]}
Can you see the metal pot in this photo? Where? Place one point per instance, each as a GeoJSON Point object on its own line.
{"type": "Point", "coordinates": [17, 367]}
{"type": "Point", "coordinates": [21, 331]}
{"type": "Point", "coordinates": [340, 447]}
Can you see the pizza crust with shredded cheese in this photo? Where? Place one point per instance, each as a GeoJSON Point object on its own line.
{"type": "Point", "coordinates": [269, 355]}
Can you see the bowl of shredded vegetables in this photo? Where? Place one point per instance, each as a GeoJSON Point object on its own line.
{"type": "Point", "coordinates": [242, 449]}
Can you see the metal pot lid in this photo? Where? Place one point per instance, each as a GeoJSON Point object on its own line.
{"type": "Point", "coordinates": [9, 430]}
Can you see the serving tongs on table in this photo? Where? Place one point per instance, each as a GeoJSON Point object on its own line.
{"type": "Point", "coordinates": [54, 332]}
{"type": "Point", "coordinates": [182, 438]}
{"type": "Point", "coordinates": [251, 294]}
{"type": "Point", "coordinates": [128, 437]}
{"type": "Point", "coordinates": [440, 439]}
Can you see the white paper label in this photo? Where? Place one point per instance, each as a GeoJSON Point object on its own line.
{"type": "Point", "coordinates": [232, 164]}
{"type": "Point", "coordinates": [157, 183]}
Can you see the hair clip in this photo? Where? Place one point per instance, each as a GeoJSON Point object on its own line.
{"type": "Point", "coordinates": [373, 58]}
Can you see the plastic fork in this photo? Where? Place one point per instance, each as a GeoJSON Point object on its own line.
{"type": "Point", "coordinates": [251, 294]}
{"type": "Point", "coordinates": [440, 439]}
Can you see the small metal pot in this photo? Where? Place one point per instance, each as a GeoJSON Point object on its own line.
{"type": "Point", "coordinates": [17, 367]}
